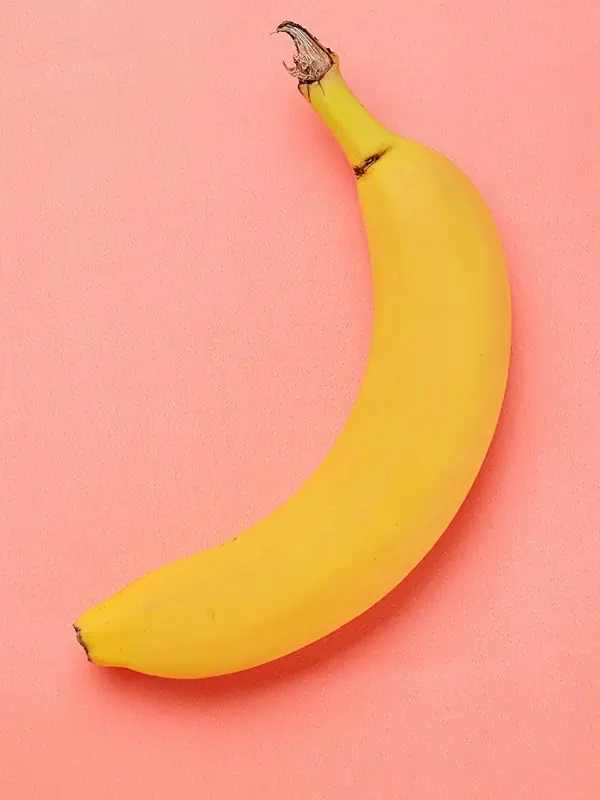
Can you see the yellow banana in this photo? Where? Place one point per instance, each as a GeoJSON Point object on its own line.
{"type": "Point", "coordinates": [408, 454]}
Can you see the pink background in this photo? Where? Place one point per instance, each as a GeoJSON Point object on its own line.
{"type": "Point", "coordinates": [184, 317]}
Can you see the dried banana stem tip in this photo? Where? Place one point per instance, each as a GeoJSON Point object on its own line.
{"type": "Point", "coordinates": [312, 60]}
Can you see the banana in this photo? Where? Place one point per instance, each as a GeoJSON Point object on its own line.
{"type": "Point", "coordinates": [405, 460]}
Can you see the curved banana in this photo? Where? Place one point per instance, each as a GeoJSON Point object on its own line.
{"type": "Point", "coordinates": [408, 455]}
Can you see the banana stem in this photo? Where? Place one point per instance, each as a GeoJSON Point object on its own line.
{"type": "Point", "coordinates": [362, 139]}
{"type": "Point", "coordinates": [312, 60]}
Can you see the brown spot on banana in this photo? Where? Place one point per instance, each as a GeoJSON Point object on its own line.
{"type": "Point", "coordinates": [361, 169]}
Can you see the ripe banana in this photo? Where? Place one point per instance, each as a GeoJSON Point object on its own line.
{"type": "Point", "coordinates": [408, 454]}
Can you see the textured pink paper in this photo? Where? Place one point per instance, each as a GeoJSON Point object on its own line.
{"type": "Point", "coordinates": [184, 317]}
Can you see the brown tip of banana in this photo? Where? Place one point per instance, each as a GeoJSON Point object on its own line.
{"type": "Point", "coordinates": [312, 60]}
{"type": "Point", "coordinates": [81, 641]}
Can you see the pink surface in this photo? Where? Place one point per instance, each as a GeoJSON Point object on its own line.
{"type": "Point", "coordinates": [184, 316]}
